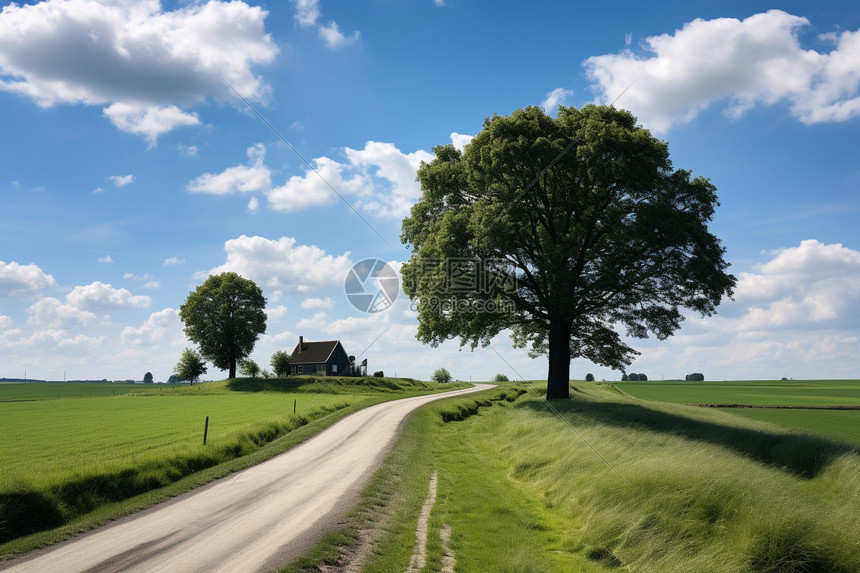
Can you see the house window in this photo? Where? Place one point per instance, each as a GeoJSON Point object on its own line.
{"type": "Point", "coordinates": [301, 369]}
{"type": "Point", "coordinates": [293, 369]}
{"type": "Point", "coordinates": [334, 368]}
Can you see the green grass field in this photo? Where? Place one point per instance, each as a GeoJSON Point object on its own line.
{"type": "Point", "coordinates": [58, 390]}
{"type": "Point", "coordinates": [783, 393]}
{"type": "Point", "coordinates": [64, 458]}
{"type": "Point", "coordinates": [836, 424]}
{"type": "Point", "coordinates": [606, 482]}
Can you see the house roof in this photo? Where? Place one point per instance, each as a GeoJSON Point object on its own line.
{"type": "Point", "coordinates": [313, 352]}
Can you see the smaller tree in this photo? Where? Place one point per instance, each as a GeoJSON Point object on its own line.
{"type": "Point", "coordinates": [147, 378]}
{"type": "Point", "coordinates": [695, 377]}
{"type": "Point", "coordinates": [379, 374]}
{"type": "Point", "coordinates": [501, 378]}
{"type": "Point", "coordinates": [280, 363]}
{"type": "Point", "coordinates": [249, 368]}
{"type": "Point", "coordinates": [441, 375]}
{"type": "Point", "coordinates": [625, 378]}
{"type": "Point", "coordinates": [589, 377]}
{"type": "Point", "coordinates": [190, 366]}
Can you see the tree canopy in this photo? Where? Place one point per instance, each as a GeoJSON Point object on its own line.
{"type": "Point", "coordinates": [441, 375]}
{"type": "Point", "coordinates": [225, 316]}
{"type": "Point", "coordinates": [564, 231]}
{"type": "Point", "coordinates": [280, 363]}
{"type": "Point", "coordinates": [147, 378]}
{"type": "Point", "coordinates": [191, 366]}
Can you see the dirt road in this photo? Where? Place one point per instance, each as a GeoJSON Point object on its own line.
{"type": "Point", "coordinates": [253, 521]}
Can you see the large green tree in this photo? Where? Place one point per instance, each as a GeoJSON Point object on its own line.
{"type": "Point", "coordinates": [225, 316]}
{"type": "Point", "coordinates": [563, 230]}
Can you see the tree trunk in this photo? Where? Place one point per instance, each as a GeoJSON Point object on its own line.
{"type": "Point", "coordinates": [232, 368]}
{"type": "Point", "coordinates": [558, 380]}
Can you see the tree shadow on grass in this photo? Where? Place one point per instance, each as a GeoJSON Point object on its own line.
{"type": "Point", "coordinates": [802, 454]}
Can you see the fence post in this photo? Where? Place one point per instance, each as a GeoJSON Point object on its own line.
{"type": "Point", "coordinates": [205, 430]}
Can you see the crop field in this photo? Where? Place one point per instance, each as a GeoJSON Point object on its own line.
{"type": "Point", "coordinates": [836, 424]}
{"type": "Point", "coordinates": [64, 458]}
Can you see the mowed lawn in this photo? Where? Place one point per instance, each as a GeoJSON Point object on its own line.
{"type": "Point", "coordinates": [49, 439]}
{"type": "Point", "coordinates": [843, 425]}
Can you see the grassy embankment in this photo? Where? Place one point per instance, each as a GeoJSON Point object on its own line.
{"type": "Point", "coordinates": [695, 490]}
{"type": "Point", "coordinates": [73, 464]}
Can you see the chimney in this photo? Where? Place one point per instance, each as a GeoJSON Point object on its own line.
{"type": "Point", "coordinates": [301, 343]}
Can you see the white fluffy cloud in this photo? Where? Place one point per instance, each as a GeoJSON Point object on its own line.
{"type": "Point", "coordinates": [144, 64]}
{"type": "Point", "coordinates": [380, 176]}
{"type": "Point", "coordinates": [750, 62]}
{"type": "Point", "coordinates": [812, 286]}
{"type": "Point", "coordinates": [308, 14]}
{"type": "Point", "coordinates": [240, 179]}
{"type": "Point", "coordinates": [793, 315]}
{"type": "Point", "coordinates": [52, 313]}
{"type": "Point", "coordinates": [282, 265]}
{"type": "Point", "coordinates": [17, 279]}
{"type": "Point", "coordinates": [460, 140]}
{"type": "Point", "coordinates": [313, 188]}
{"type": "Point", "coordinates": [395, 189]}
{"type": "Point", "coordinates": [121, 180]}
{"type": "Point", "coordinates": [555, 98]}
{"type": "Point", "coordinates": [161, 326]}
{"type": "Point", "coordinates": [99, 296]}
{"type": "Point", "coordinates": [326, 302]}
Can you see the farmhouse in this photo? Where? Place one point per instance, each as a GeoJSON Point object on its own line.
{"type": "Point", "coordinates": [325, 358]}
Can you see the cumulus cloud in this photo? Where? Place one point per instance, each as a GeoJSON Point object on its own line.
{"type": "Point", "coordinates": [276, 312]}
{"type": "Point", "coordinates": [98, 296]}
{"type": "Point", "coordinates": [121, 180]}
{"type": "Point", "coordinates": [380, 176]}
{"type": "Point", "coordinates": [326, 302]}
{"type": "Point", "coordinates": [555, 98]}
{"type": "Point", "coordinates": [5, 322]}
{"type": "Point", "coordinates": [394, 172]}
{"type": "Point", "coordinates": [334, 38]}
{"type": "Point", "coordinates": [160, 326]}
{"type": "Point", "coordinates": [143, 64]}
{"type": "Point", "coordinates": [460, 140]}
{"type": "Point", "coordinates": [240, 179]}
{"type": "Point", "coordinates": [282, 265]}
{"type": "Point", "coordinates": [314, 188]}
{"type": "Point", "coordinates": [169, 261]}
{"type": "Point", "coordinates": [53, 313]}
{"type": "Point", "coordinates": [812, 286]}
{"type": "Point", "coordinates": [105, 259]}
{"type": "Point", "coordinates": [307, 16]}
{"type": "Point", "coordinates": [17, 279]}
{"type": "Point", "coordinates": [745, 63]}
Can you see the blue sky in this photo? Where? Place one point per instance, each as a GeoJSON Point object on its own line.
{"type": "Point", "coordinates": [130, 169]}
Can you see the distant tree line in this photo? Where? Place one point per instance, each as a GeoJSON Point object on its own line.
{"type": "Point", "coordinates": [633, 377]}
{"type": "Point", "coordinates": [695, 377]}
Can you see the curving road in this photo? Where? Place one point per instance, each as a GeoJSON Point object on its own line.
{"type": "Point", "coordinates": [256, 520]}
